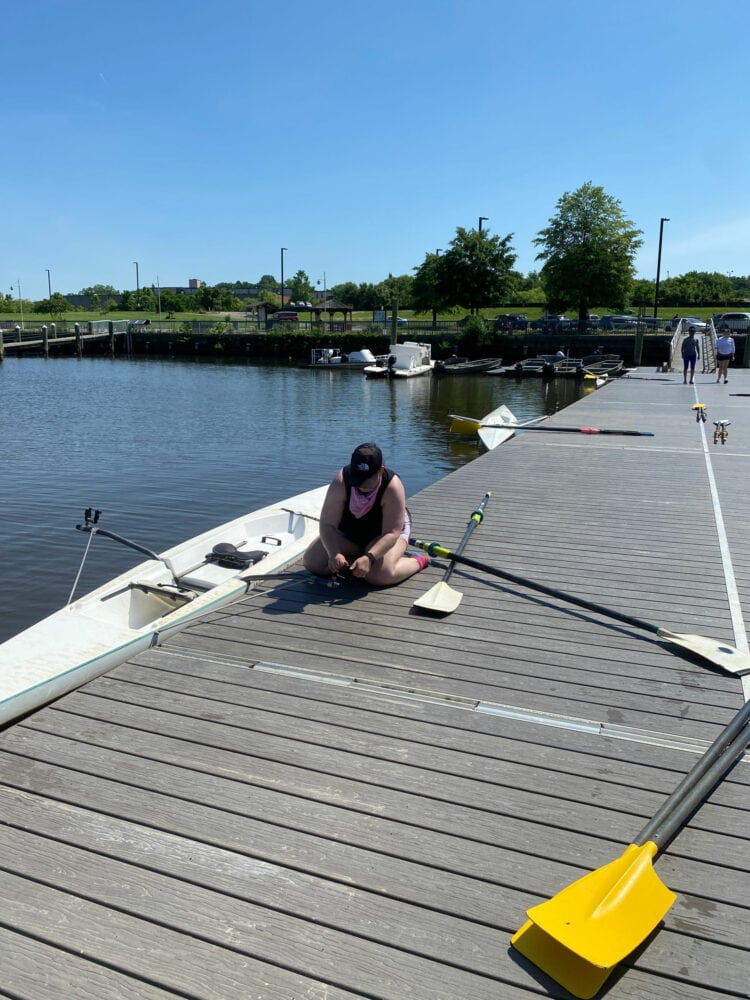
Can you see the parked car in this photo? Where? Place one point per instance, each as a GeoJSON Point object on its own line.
{"type": "Point", "coordinates": [617, 322]}
{"type": "Point", "coordinates": [737, 322]}
{"type": "Point", "coordinates": [511, 321]}
{"type": "Point", "coordinates": [699, 324]}
{"type": "Point", "coordinates": [284, 316]}
{"type": "Point", "coordinates": [549, 323]}
{"type": "Point", "coordinates": [402, 321]}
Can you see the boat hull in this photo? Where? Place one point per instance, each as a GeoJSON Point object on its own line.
{"type": "Point", "coordinates": [142, 607]}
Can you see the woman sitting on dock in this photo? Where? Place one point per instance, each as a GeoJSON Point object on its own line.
{"type": "Point", "coordinates": [364, 524]}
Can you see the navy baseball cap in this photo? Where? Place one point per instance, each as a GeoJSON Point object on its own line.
{"type": "Point", "coordinates": [367, 459]}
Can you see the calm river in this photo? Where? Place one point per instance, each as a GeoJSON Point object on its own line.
{"type": "Point", "coordinates": [167, 449]}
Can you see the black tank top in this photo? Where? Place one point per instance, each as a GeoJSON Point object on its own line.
{"type": "Point", "coordinates": [362, 530]}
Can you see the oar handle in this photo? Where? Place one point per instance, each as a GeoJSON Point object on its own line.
{"type": "Point", "coordinates": [435, 549]}
{"type": "Point", "coordinates": [716, 760]}
{"type": "Point", "coordinates": [475, 519]}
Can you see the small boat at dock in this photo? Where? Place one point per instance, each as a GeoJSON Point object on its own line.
{"type": "Point", "coordinates": [332, 357]}
{"type": "Point", "coordinates": [155, 599]}
{"type": "Point", "coordinates": [462, 366]}
{"type": "Point", "coordinates": [405, 360]}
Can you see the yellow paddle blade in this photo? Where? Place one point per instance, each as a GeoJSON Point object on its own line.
{"type": "Point", "coordinates": [573, 973]}
{"type": "Point", "coordinates": [440, 599]}
{"type": "Point", "coordinates": [603, 916]}
{"type": "Point", "coordinates": [463, 425]}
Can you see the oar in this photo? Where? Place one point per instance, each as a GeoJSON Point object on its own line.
{"type": "Point", "coordinates": [580, 935]}
{"type": "Point", "coordinates": [730, 659]}
{"type": "Point", "coordinates": [469, 425]}
{"type": "Point", "coordinates": [441, 598]}
{"type": "Point", "coordinates": [464, 425]}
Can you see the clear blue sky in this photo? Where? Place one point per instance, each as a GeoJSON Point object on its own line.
{"type": "Point", "coordinates": [200, 138]}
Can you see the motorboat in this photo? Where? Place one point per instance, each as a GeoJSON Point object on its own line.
{"type": "Point", "coordinates": [332, 357]}
{"type": "Point", "coordinates": [405, 360]}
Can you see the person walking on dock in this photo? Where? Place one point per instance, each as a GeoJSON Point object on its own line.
{"type": "Point", "coordinates": [724, 347]}
{"type": "Point", "coordinates": [690, 354]}
{"type": "Point", "coordinates": [364, 524]}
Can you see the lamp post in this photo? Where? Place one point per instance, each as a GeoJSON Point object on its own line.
{"type": "Point", "coordinates": [658, 266]}
{"type": "Point", "coordinates": [20, 300]}
{"type": "Point", "coordinates": [49, 282]}
{"type": "Point", "coordinates": [158, 295]}
{"type": "Point", "coordinates": [137, 286]}
{"type": "Point", "coordinates": [482, 218]}
{"type": "Point", "coordinates": [282, 276]}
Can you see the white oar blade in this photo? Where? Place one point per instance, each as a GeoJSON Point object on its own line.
{"type": "Point", "coordinates": [727, 657]}
{"type": "Point", "coordinates": [440, 599]}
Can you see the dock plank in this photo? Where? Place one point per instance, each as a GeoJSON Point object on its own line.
{"type": "Point", "coordinates": [320, 792]}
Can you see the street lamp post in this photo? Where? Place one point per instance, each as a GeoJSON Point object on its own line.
{"type": "Point", "coordinates": [20, 300]}
{"type": "Point", "coordinates": [658, 267]}
{"type": "Point", "coordinates": [137, 286]}
{"type": "Point", "coordinates": [282, 276]}
{"type": "Point", "coordinates": [49, 282]}
{"type": "Point", "coordinates": [482, 218]}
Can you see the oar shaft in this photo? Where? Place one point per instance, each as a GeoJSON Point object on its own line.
{"type": "Point", "coordinates": [435, 549]}
{"type": "Point", "coordinates": [678, 812]}
{"type": "Point", "coordinates": [475, 519]}
{"type": "Point", "coordinates": [738, 730]}
{"type": "Point", "coordinates": [574, 430]}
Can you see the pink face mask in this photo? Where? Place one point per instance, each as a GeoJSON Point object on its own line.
{"type": "Point", "coordinates": [360, 503]}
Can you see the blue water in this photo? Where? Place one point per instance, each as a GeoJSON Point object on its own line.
{"type": "Point", "coordinates": [167, 449]}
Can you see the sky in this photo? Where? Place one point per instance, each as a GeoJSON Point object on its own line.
{"type": "Point", "coordinates": [198, 139]}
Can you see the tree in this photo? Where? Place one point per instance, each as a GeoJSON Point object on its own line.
{"type": "Point", "coordinates": [100, 290]}
{"type": "Point", "coordinates": [589, 250]}
{"type": "Point", "coordinates": [267, 284]}
{"type": "Point", "coordinates": [300, 288]}
{"type": "Point", "coordinates": [426, 287]}
{"type": "Point", "coordinates": [56, 306]}
{"type": "Point", "coordinates": [476, 271]}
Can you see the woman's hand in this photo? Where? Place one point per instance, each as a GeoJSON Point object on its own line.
{"type": "Point", "coordinates": [338, 563]}
{"type": "Point", "coordinates": [361, 566]}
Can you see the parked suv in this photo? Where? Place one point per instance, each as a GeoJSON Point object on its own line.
{"type": "Point", "coordinates": [284, 316]}
{"type": "Point", "coordinates": [737, 322]}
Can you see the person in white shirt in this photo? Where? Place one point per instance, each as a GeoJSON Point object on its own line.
{"type": "Point", "coordinates": [724, 346]}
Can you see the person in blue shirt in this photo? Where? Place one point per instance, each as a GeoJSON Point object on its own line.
{"type": "Point", "coordinates": [690, 354]}
{"type": "Point", "coordinates": [724, 347]}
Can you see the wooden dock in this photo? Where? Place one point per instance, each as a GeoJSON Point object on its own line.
{"type": "Point", "coordinates": [322, 793]}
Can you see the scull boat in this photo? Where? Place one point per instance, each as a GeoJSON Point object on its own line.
{"type": "Point", "coordinates": [150, 602]}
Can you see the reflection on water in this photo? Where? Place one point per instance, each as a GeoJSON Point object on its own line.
{"type": "Point", "coordinates": [171, 448]}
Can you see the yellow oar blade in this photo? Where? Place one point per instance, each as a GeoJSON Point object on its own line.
{"type": "Point", "coordinates": [603, 916]}
{"type": "Point", "coordinates": [463, 425]}
{"type": "Point", "coordinates": [727, 657]}
{"type": "Point", "coordinates": [574, 974]}
{"type": "Point", "coordinates": [440, 599]}
{"type": "Point", "coordinates": [586, 929]}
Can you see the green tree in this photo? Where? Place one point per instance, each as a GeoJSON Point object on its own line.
{"type": "Point", "coordinates": [268, 283]}
{"type": "Point", "coordinates": [589, 250]}
{"type": "Point", "coordinates": [56, 306]}
{"type": "Point", "coordinates": [427, 287]}
{"type": "Point", "coordinates": [476, 270]}
{"type": "Point", "coordinates": [346, 292]}
{"type": "Point", "coordinates": [396, 287]}
{"type": "Point", "coordinates": [300, 288]}
{"type": "Point", "coordinates": [103, 291]}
